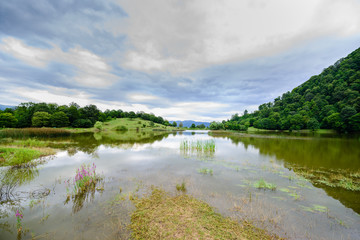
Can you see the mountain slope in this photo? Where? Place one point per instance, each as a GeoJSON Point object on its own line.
{"type": "Point", "coordinates": [330, 100]}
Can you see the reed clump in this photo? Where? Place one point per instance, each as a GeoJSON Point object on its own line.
{"type": "Point", "coordinates": [34, 132]}
{"type": "Point", "coordinates": [198, 146]}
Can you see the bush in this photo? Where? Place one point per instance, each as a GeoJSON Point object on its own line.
{"type": "Point", "coordinates": [121, 128]}
{"type": "Point", "coordinates": [98, 125]}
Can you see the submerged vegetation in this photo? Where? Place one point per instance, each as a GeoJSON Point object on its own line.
{"type": "Point", "coordinates": [335, 179]}
{"type": "Point", "coordinates": [262, 184]}
{"type": "Point", "coordinates": [206, 171]}
{"type": "Point", "coordinates": [162, 216]}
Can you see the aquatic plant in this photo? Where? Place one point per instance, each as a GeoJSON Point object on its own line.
{"type": "Point", "coordinates": [332, 178]}
{"type": "Point", "coordinates": [181, 187]}
{"type": "Point", "coordinates": [83, 186]}
{"type": "Point", "coordinates": [19, 217]}
{"type": "Point", "coordinates": [85, 178]}
{"type": "Point", "coordinates": [206, 171]}
{"type": "Point", "coordinates": [262, 184]}
{"type": "Point", "coordinates": [198, 146]}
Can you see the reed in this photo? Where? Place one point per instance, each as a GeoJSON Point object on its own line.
{"type": "Point", "coordinates": [198, 146]}
{"type": "Point", "coordinates": [34, 132]}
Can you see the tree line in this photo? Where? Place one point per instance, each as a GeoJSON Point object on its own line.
{"type": "Point", "coordinates": [52, 115]}
{"type": "Point", "coordinates": [330, 100]}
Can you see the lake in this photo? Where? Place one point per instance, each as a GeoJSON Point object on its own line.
{"type": "Point", "coordinates": [299, 186]}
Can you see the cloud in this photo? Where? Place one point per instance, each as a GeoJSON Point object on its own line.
{"type": "Point", "coordinates": [91, 70]}
{"type": "Point", "coordinates": [181, 59]}
{"type": "Point", "coordinates": [183, 36]}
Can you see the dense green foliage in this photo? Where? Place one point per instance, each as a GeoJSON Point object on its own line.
{"type": "Point", "coordinates": [330, 100]}
{"type": "Point", "coordinates": [52, 115]}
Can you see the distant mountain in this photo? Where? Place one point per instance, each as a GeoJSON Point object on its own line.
{"type": "Point", "coordinates": [188, 123]}
{"type": "Point", "coordinates": [3, 107]}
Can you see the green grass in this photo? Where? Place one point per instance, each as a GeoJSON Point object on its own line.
{"type": "Point", "coordinates": [133, 125]}
{"type": "Point", "coordinates": [262, 184]}
{"type": "Point", "coordinates": [19, 156]}
{"type": "Point", "coordinates": [162, 216]}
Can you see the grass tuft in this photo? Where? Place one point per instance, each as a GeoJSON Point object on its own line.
{"type": "Point", "coordinates": [262, 184]}
{"type": "Point", "coordinates": [181, 187]}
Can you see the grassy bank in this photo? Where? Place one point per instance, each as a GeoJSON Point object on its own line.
{"type": "Point", "coordinates": [10, 156]}
{"type": "Point", "coordinates": [162, 216]}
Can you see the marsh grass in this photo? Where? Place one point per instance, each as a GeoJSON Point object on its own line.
{"type": "Point", "coordinates": [162, 216]}
{"type": "Point", "coordinates": [199, 146]}
{"type": "Point", "coordinates": [34, 132]}
{"type": "Point", "coordinates": [262, 184]}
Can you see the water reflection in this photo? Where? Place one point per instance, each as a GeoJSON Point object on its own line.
{"type": "Point", "coordinates": [11, 178]}
{"type": "Point", "coordinates": [330, 163]}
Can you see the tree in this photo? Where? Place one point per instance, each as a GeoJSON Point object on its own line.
{"type": "Point", "coordinates": [7, 120]}
{"type": "Point", "coordinates": [313, 124]}
{"type": "Point", "coordinates": [82, 123]}
{"type": "Point", "coordinates": [41, 119]}
{"type": "Point", "coordinates": [181, 124]}
{"type": "Point", "coordinates": [174, 124]}
{"type": "Point", "coordinates": [192, 125]}
{"type": "Point", "coordinates": [90, 112]}
{"type": "Point", "coordinates": [335, 121]}
{"type": "Point", "coordinates": [59, 119]}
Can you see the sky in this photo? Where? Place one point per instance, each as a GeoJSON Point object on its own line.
{"type": "Point", "coordinates": [201, 60]}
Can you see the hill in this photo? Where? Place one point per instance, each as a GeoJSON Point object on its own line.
{"type": "Point", "coordinates": [3, 107]}
{"type": "Point", "coordinates": [188, 123]}
{"type": "Point", "coordinates": [330, 100]}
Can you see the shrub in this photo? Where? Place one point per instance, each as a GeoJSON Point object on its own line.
{"type": "Point", "coordinates": [121, 128]}
{"type": "Point", "coordinates": [98, 125]}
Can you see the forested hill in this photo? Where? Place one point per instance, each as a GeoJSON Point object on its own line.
{"type": "Point", "coordinates": [330, 100]}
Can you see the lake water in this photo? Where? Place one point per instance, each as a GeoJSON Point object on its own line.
{"type": "Point", "coordinates": [309, 172]}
